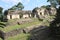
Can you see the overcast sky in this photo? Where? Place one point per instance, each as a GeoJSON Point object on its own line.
{"type": "Point", "coordinates": [28, 4]}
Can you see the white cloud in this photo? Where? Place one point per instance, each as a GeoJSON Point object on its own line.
{"type": "Point", "coordinates": [15, 1]}
{"type": "Point", "coordinates": [12, 1]}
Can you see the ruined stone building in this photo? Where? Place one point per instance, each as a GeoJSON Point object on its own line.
{"type": "Point", "coordinates": [44, 12]}
{"type": "Point", "coordinates": [53, 10]}
{"type": "Point", "coordinates": [41, 12]}
{"type": "Point", "coordinates": [13, 14]}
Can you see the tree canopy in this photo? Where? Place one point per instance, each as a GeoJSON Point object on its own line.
{"type": "Point", "coordinates": [55, 24]}
{"type": "Point", "coordinates": [19, 6]}
{"type": "Point", "coordinates": [13, 8]}
{"type": "Point", "coordinates": [54, 3]}
{"type": "Point", "coordinates": [1, 9]}
{"type": "Point", "coordinates": [47, 6]}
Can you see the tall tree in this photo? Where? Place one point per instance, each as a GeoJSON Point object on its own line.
{"type": "Point", "coordinates": [1, 9]}
{"type": "Point", "coordinates": [55, 24]}
{"type": "Point", "coordinates": [13, 8]}
{"type": "Point", "coordinates": [19, 6]}
{"type": "Point", "coordinates": [54, 3]}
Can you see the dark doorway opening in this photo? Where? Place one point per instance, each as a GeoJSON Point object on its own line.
{"type": "Point", "coordinates": [40, 13]}
{"type": "Point", "coordinates": [10, 16]}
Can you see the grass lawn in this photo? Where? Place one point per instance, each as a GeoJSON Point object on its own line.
{"type": "Point", "coordinates": [21, 36]}
{"type": "Point", "coordinates": [0, 39]}
{"type": "Point", "coordinates": [7, 29]}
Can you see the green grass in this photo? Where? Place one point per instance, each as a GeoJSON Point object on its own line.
{"type": "Point", "coordinates": [10, 28]}
{"type": "Point", "coordinates": [0, 39]}
{"type": "Point", "coordinates": [21, 36]}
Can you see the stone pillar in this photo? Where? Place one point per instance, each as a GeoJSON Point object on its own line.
{"type": "Point", "coordinates": [8, 16]}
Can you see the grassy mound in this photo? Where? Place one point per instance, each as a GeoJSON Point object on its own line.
{"type": "Point", "coordinates": [10, 28]}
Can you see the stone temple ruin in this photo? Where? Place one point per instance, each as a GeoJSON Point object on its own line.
{"type": "Point", "coordinates": [13, 14]}
{"type": "Point", "coordinates": [42, 13]}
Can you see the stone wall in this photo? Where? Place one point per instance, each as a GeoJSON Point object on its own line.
{"type": "Point", "coordinates": [26, 16]}
{"type": "Point", "coordinates": [16, 14]}
{"type": "Point", "coordinates": [43, 12]}
{"type": "Point", "coordinates": [2, 34]}
{"type": "Point", "coordinates": [30, 28]}
{"type": "Point", "coordinates": [8, 16]}
{"type": "Point", "coordinates": [13, 17]}
{"type": "Point", "coordinates": [19, 22]}
{"type": "Point", "coordinates": [53, 11]}
{"type": "Point", "coordinates": [13, 33]}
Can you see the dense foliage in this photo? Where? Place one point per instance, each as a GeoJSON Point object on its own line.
{"type": "Point", "coordinates": [1, 16]}
{"type": "Point", "coordinates": [55, 24]}
{"type": "Point", "coordinates": [19, 6]}
{"type": "Point", "coordinates": [54, 2]}
{"type": "Point", "coordinates": [1, 9]}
